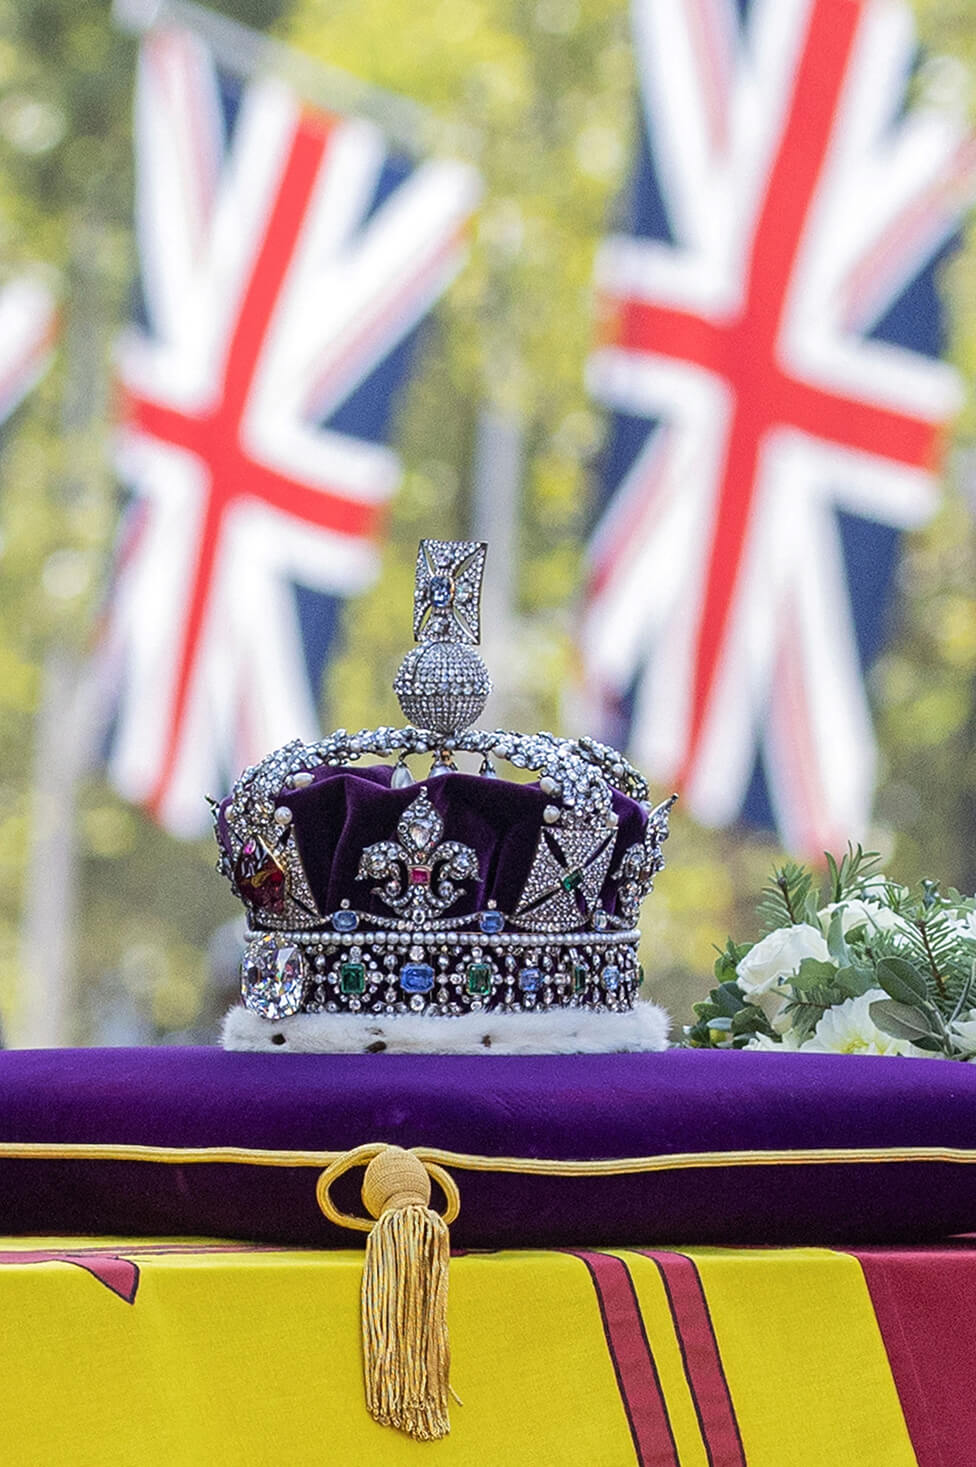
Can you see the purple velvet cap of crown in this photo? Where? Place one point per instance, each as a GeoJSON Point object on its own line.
{"type": "Point", "coordinates": [342, 811]}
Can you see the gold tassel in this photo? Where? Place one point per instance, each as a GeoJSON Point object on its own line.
{"type": "Point", "coordinates": [406, 1351]}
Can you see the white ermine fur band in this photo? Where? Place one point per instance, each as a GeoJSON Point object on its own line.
{"type": "Point", "coordinates": [562, 1031]}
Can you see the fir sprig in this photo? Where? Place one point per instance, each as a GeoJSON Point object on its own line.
{"type": "Point", "coordinates": [785, 901]}
{"type": "Point", "coordinates": [848, 878]}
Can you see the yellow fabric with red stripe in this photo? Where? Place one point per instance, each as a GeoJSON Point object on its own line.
{"type": "Point", "coordinates": [225, 1355]}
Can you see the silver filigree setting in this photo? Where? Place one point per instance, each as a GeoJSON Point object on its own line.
{"type": "Point", "coordinates": [379, 970]}
{"type": "Point", "coordinates": [642, 861]}
{"type": "Point", "coordinates": [443, 685]}
{"type": "Point", "coordinates": [447, 591]}
{"type": "Point", "coordinates": [263, 844]}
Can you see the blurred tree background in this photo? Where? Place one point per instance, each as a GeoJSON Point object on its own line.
{"type": "Point", "coordinates": [540, 95]}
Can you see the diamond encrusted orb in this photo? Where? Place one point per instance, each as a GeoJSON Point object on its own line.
{"type": "Point", "coordinates": [442, 686]}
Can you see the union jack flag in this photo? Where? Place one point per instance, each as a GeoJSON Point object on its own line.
{"type": "Point", "coordinates": [770, 355]}
{"type": "Point", "coordinates": [287, 259]}
{"type": "Point", "coordinates": [28, 331]}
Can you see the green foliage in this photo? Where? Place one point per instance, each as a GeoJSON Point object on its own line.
{"type": "Point", "coordinates": [918, 947]}
{"type": "Point", "coordinates": [902, 980]}
{"type": "Point", "coordinates": [792, 897]}
{"type": "Point", "coordinates": [930, 939]}
{"type": "Point", "coordinates": [725, 1021]}
{"type": "Point", "coordinates": [728, 960]}
{"type": "Point", "coordinates": [904, 1021]}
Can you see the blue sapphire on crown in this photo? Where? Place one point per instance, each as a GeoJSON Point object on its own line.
{"type": "Point", "coordinates": [416, 977]}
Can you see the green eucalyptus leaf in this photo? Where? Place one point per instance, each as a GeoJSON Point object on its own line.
{"type": "Point", "coordinates": [750, 1020]}
{"type": "Point", "coordinates": [812, 973]}
{"type": "Point", "coordinates": [902, 980]}
{"type": "Point", "coordinates": [854, 980]}
{"type": "Point", "coordinates": [728, 999]}
{"type": "Point", "coordinates": [729, 959]}
{"type": "Point", "coordinates": [723, 1001]}
{"type": "Point", "coordinates": [901, 1020]}
{"type": "Point", "coordinates": [836, 942]}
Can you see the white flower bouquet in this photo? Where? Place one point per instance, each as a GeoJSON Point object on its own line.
{"type": "Point", "coordinates": [865, 967]}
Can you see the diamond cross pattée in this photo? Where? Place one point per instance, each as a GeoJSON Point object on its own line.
{"type": "Point", "coordinates": [447, 591]}
{"type": "Point", "coordinates": [564, 883]}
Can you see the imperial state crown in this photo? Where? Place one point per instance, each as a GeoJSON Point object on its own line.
{"type": "Point", "coordinates": [463, 911]}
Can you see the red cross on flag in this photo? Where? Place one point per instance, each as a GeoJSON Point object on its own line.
{"type": "Point", "coordinates": [287, 258]}
{"type": "Point", "coordinates": [771, 362]}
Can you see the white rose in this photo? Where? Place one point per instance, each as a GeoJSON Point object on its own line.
{"type": "Point", "coordinates": [764, 970]}
{"type": "Point", "coordinates": [857, 913]}
{"type": "Point", "coordinates": [847, 1028]}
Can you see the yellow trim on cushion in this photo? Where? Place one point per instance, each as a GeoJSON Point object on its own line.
{"type": "Point", "coordinates": [525, 1165]}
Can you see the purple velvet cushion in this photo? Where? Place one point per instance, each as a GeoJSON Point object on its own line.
{"type": "Point", "coordinates": [564, 1107]}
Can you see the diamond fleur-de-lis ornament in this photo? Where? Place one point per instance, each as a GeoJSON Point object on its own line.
{"type": "Point", "coordinates": [443, 684]}
{"type": "Point", "coordinates": [420, 875]}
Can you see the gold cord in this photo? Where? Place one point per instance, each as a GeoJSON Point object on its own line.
{"type": "Point", "coordinates": [436, 1157]}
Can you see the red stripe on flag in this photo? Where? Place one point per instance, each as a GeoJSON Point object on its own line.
{"type": "Point", "coordinates": [233, 475]}
{"type": "Point", "coordinates": [242, 477]}
{"type": "Point", "coordinates": [702, 1361]}
{"type": "Point", "coordinates": [775, 398]}
{"type": "Point", "coordinates": [924, 1302]}
{"type": "Point", "coordinates": [631, 513]}
{"type": "Point", "coordinates": [745, 350]}
{"type": "Point", "coordinates": [713, 60]}
{"type": "Point", "coordinates": [633, 1363]}
{"type": "Point", "coordinates": [929, 215]}
{"type": "Point", "coordinates": [117, 1272]}
{"type": "Point", "coordinates": [793, 182]}
{"type": "Point", "coordinates": [120, 1275]}
{"type": "Point", "coordinates": [805, 821]}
